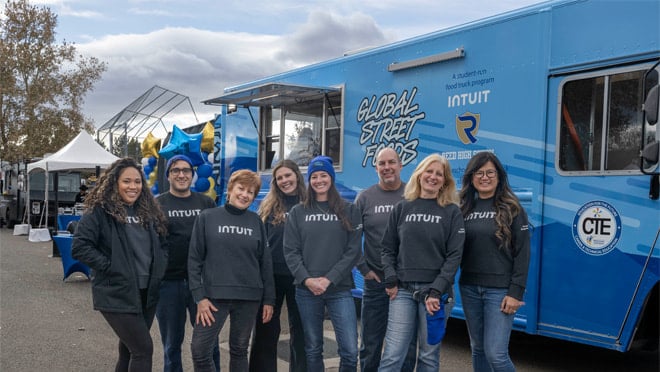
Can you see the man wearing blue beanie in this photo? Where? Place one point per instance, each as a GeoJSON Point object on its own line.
{"type": "Point", "coordinates": [173, 160]}
{"type": "Point", "coordinates": [321, 163]}
{"type": "Point", "coordinates": [181, 207]}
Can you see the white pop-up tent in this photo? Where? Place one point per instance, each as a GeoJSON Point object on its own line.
{"type": "Point", "coordinates": [82, 153]}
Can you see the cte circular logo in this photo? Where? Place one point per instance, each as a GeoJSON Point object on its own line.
{"type": "Point", "coordinates": [597, 228]}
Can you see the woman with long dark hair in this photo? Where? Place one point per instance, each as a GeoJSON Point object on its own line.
{"type": "Point", "coordinates": [495, 261]}
{"type": "Point", "coordinates": [119, 237]}
{"type": "Point", "coordinates": [287, 188]}
{"type": "Point", "coordinates": [321, 246]}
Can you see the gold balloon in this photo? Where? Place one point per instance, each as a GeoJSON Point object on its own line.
{"type": "Point", "coordinates": [207, 137]}
{"type": "Point", "coordinates": [211, 193]}
{"type": "Point", "coordinates": [153, 177]}
{"type": "Point", "coordinates": [150, 146]}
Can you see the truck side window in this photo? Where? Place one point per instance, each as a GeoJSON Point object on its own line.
{"type": "Point", "coordinates": [601, 122]}
{"type": "Point", "coordinates": [302, 131]}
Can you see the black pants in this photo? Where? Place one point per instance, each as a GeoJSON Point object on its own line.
{"type": "Point", "coordinates": [263, 356]}
{"type": "Point", "coordinates": [241, 315]}
{"type": "Point", "coordinates": [135, 345]}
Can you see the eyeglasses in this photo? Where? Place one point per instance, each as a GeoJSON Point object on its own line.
{"type": "Point", "coordinates": [491, 173]}
{"type": "Point", "coordinates": [185, 171]}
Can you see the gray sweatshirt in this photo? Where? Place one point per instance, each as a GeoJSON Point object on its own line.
{"type": "Point", "coordinates": [484, 262]}
{"type": "Point", "coordinates": [315, 245]}
{"type": "Point", "coordinates": [229, 257]}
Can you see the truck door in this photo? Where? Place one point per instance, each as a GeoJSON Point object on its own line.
{"type": "Point", "coordinates": [598, 222]}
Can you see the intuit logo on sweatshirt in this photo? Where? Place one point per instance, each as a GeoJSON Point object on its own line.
{"type": "Point", "coordinates": [183, 213]}
{"type": "Point", "coordinates": [235, 230]}
{"type": "Point", "coordinates": [422, 217]}
{"type": "Point", "coordinates": [133, 219]}
{"type": "Point", "coordinates": [321, 217]}
{"type": "Point", "coordinates": [480, 216]}
{"type": "Point", "coordinates": [383, 209]}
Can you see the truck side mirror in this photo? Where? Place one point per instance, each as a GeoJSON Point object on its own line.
{"type": "Point", "coordinates": [650, 152]}
{"type": "Point", "coordinates": [651, 106]}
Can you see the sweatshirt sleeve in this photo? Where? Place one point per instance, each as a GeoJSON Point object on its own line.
{"type": "Point", "coordinates": [521, 255]}
{"type": "Point", "coordinates": [86, 240]}
{"type": "Point", "coordinates": [352, 248]}
{"type": "Point", "coordinates": [266, 268]}
{"type": "Point", "coordinates": [454, 252]}
{"type": "Point", "coordinates": [293, 247]}
{"type": "Point", "coordinates": [362, 263]}
{"type": "Point", "coordinates": [390, 244]}
{"type": "Point", "coordinates": [196, 255]}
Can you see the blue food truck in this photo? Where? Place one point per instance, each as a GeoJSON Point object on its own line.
{"type": "Point", "coordinates": [556, 90]}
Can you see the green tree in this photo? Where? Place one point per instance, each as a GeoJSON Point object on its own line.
{"type": "Point", "coordinates": [123, 147]}
{"type": "Point", "coordinates": [42, 84]}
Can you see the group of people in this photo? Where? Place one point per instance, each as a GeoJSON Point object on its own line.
{"type": "Point", "coordinates": [179, 254]}
{"type": "Point", "coordinates": [416, 236]}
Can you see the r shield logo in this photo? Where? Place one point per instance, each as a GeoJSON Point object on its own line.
{"type": "Point", "coordinates": [597, 228]}
{"type": "Point", "coordinates": [467, 126]}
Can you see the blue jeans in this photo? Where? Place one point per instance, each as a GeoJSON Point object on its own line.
{"type": "Point", "coordinates": [175, 300]}
{"type": "Point", "coordinates": [489, 328]}
{"type": "Point", "coordinates": [241, 320]}
{"type": "Point", "coordinates": [375, 310]}
{"type": "Point", "coordinates": [405, 316]}
{"type": "Point", "coordinates": [341, 308]}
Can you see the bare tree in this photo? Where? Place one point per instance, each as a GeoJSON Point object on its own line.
{"type": "Point", "coordinates": [42, 84]}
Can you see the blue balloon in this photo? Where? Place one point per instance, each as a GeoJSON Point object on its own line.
{"type": "Point", "coordinates": [184, 144]}
{"type": "Point", "coordinates": [154, 189]}
{"type": "Point", "coordinates": [148, 169]}
{"type": "Point", "coordinates": [153, 161]}
{"type": "Point", "coordinates": [205, 170]}
{"type": "Point", "coordinates": [202, 184]}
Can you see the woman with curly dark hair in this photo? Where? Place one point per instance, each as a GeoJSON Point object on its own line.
{"type": "Point", "coordinates": [495, 261]}
{"type": "Point", "coordinates": [119, 237]}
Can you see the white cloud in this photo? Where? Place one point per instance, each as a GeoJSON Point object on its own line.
{"type": "Point", "coordinates": [200, 64]}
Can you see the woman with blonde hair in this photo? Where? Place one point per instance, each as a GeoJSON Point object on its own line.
{"type": "Point", "coordinates": [287, 188]}
{"type": "Point", "coordinates": [422, 248]}
{"type": "Point", "coordinates": [120, 237]}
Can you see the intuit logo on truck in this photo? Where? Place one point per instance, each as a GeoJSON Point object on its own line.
{"type": "Point", "coordinates": [388, 121]}
{"type": "Point", "coordinates": [467, 124]}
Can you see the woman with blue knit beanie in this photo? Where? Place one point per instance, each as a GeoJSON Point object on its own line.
{"type": "Point", "coordinates": [321, 246]}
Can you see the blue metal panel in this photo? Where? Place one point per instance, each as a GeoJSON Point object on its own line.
{"type": "Point", "coordinates": [502, 97]}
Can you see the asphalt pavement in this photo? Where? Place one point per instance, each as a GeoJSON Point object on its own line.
{"type": "Point", "coordinates": [47, 324]}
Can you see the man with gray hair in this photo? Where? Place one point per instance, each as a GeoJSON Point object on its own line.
{"type": "Point", "coordinates": [375, 204]}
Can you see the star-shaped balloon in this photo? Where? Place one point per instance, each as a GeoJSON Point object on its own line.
{"type": "Point", "coordinates": [150, 146]}
{"type": "Point", "coordinates": [207, 137]}
{"type": "Point", "coordinates": [182, 143]}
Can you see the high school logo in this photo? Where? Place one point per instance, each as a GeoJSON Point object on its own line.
{"type": "Point", "coordinates": [467, 126]}
{"type": "Point", "coordinates": [597, 228]}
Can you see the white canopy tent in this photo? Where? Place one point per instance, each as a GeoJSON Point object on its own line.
{"type": "Point", "coordinates": [82, 153]}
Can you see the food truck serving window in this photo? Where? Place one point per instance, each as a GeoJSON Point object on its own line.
{"type": "Point", "coordinates": [301, 131]}
{"type": "Point", "coordinates": [295, 122]}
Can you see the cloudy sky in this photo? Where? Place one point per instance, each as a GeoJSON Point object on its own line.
{"type": "Point", "coordinates": [199, 47]}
